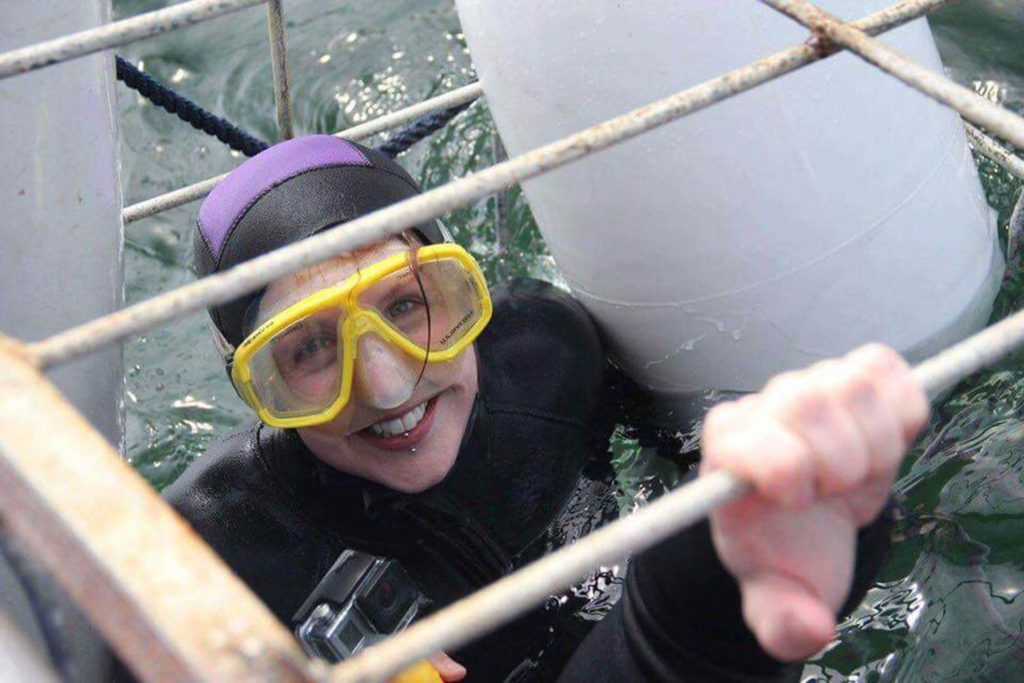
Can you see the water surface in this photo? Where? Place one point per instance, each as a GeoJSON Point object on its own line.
{"type": "Point", "coordinates": [945, 608]}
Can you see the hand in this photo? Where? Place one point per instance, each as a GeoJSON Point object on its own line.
{"type": "Point", "coordinates": [449, 669]}
{"type": "Point", "coordinates": [437, 667]}
{"type": "Point", "coordinates": [821, 448]}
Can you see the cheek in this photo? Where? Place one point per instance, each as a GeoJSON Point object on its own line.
{"type": "Point", "coordinates": [459, 374]}
{"type": "Point", "coordinates": [457, 405]}
{"type": "Point", "coordinates": [318, 387]}
{"type": "Point", "coordinates": [334, 431]}
{"type": "Point", "coordinates": [465, 375]}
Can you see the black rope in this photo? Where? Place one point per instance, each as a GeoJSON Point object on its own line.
{"type": "Point", "coordinates": [187, 110]}
{"type": "Point", "coordinates": [237, 139]}
{"type": "Point", "coordinates": [426, 126]}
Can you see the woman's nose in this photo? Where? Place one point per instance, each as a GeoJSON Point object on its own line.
{"type": "Point", "coordinates": [385, 377]}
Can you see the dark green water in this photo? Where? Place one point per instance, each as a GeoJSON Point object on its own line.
{"type": "Point", "coordinates": [946, 606]}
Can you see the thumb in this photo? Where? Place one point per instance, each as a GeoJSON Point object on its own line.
{"type": "Point", "coordinates": [790, 622]}
{"type": "Point", "coordinates": [449, 669]}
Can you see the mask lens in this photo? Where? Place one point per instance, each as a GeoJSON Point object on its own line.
{"type": "Point", "coordinates": [434, 311]}
{"type": "Point", "coordinates": [297, 372]}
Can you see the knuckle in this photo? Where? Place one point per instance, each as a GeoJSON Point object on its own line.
{"type": "Point", "coordinates": [848, 474]}
{"type": "Point", "coordinates": [881, 359]}
{"type": "Point", "coordinates": [825, 368]}
{"type": "Point", "coordinates": [859, 389]}
{"type": "Point", "coordinates": [852, 388]}
{"type": "Point", "coordinates": [718, 448]}
{"type": "Point", "coordinates": [718, 419]}
{"type": "Point", "coordinates": [810, 405]}
{"type": "Point", "coordinates": [782, 384]}
{"type": "Point", "coordinates": [775, 476]}
{"type": "Point", "coordinates": [877, 354]}
{"type": "Point", "coordinates": [886, 462]}
{"type": "Point", "coordinates": [785, 470]}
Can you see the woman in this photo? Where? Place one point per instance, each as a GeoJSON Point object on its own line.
{"type": "Point", "coordinates": [405, 415]}
{"type": "Point", "coordinates": [455, 457]}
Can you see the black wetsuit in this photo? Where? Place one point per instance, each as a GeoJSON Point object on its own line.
{"type": "Point", "coordinates": [280, 518]}
{"type": "Point", "coordinates": [531, 474]}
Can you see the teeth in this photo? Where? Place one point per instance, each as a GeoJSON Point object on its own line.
{"type": "Point", "coordinates": [400, 424]}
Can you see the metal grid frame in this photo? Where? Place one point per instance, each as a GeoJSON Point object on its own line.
{"type": "Point", "coordinates": [255, 646]}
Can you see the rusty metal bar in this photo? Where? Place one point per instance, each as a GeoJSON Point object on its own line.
{"type": "Point", "coordinates": [994, 151]}
{"type": "Point", "coordinates": [197, 191]}
{"type": "Point", "coordinates": [169, 606]}
{"type": "Point", "coordinates": [117, 33]}
{"type": "Point", "coordinates": [279, 64]}
{"type": "Point", "coordinates": [971, 106]}
{"type": "Point", "coordinates": [260, 271]}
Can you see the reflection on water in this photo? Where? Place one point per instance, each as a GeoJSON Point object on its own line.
{"type": "Point", "coordinates": [947, 605]}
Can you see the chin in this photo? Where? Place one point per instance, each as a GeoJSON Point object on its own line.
{"type": "Point", "coordinates": [418, 479]}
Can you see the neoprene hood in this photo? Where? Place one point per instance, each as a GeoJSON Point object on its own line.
{"type": "Point", "coordinates": [287, 193]}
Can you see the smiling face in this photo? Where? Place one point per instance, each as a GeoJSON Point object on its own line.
{"type": "Point", "coordinates": [404, 422]}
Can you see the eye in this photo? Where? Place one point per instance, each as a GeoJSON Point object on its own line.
{"type": "Point", "coordinates": [306, 353]}
{"type": "Point", "coordinates": [314, 349]}
{"type": "Point", "coordinates": [403, 307]}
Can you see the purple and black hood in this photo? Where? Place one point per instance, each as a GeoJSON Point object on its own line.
{"type": "Point", "coordinates": [287, 193]}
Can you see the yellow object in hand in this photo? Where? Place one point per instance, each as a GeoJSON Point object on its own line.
{"type": "Point", "coordinates": [421, 672]}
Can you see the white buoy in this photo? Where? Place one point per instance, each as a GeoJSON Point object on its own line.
{"type": "Point", "coordinates": [828, 208]}
{"type": "Point", "coordinates": [60, 265]}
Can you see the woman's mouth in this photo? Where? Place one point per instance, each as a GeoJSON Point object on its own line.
{"type": "Point", "coordinates": [404, 430]}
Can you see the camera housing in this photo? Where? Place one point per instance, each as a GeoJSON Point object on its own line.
{"type": "Point", "coordinates": [360, 601]}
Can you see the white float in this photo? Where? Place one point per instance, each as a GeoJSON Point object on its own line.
{"type": "Point", "coordinates": [828, 208]}
{"type": "Point", "coordinates": [61, 245]}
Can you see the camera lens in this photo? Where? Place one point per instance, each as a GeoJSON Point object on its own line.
{"type": "Point", "coordinates": [388, 600]}
{"type": "Point", "coordinates": [385, 594]}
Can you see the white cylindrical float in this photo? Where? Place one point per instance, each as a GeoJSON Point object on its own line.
{"type": "Point", "coordinates": [60, 265]}
{"type": "Point", "coordinates": [831, 207]}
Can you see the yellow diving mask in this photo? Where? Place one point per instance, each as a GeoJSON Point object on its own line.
{"type": "Point", "coordinates": [416, 309]}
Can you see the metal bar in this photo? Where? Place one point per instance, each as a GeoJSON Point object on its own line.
{"type": "Point", "coordinates": [996, 152]}
{"type": "Point", "coordinates": [1015, 238]}
{"type": "Point", "coordinates": [971, 106]}
{"type": "Point", "coordinates": [452, 98]}
{"type": "Point", "coordinates": [221, 287]}
{"type": "Point", "coordinates": [118, 33]}
{"type": "Point", "coordinates": [196, 191]}
{"type": "Point", "coordinates": [260, 271]}
{"type": "Point", "coordinates": [170, 200]}
{"type": "Point", "coordinates": [279, 63]}
{"type": "Point", "coordinates": [945, 369]}
{"type": "Point", "coordinates": [170, 607]}
{"type": "Point", "coordinates": [517, 593]}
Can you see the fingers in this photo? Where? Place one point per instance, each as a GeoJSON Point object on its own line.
{"type": "Point", "coordinates": [895, 381]}
{"type": "Point", "coordinates": [739, 438]}
{"type": "Point", "coordinates": [821, 431]}
{"type": "Point", "coordinates": [790, 622]}
{"type": "Point", "coordinates": [448, 668]}
{"type": "Point", "coordinates": [810, 404]}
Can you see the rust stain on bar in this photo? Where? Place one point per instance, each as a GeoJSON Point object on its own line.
{"type": "Point", "coordinates": [168, 605]}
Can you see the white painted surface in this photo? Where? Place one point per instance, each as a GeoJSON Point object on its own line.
{"type": "Point", "coordinates": [829, 208]}
{"type": "Point", "coordinates": [60, 257]}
